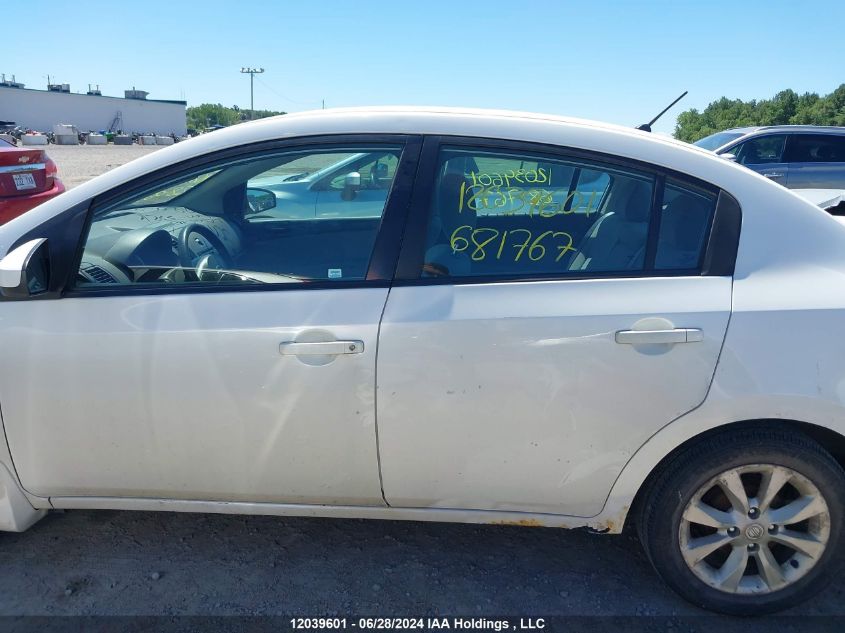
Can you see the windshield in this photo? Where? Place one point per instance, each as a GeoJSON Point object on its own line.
{"type": "Point", "coordinates": [715, 141]}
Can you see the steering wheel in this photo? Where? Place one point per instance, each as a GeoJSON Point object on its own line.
{"type": "Point", "coordinates": [199, 248]}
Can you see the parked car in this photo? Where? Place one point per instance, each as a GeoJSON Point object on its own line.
{"type": "Point", "coordinates": [831, 200]}
{"type": "Point", "coordinates": [577, 325]}
{"type": "Point", "coordinates": [27, 178]}
{"type": "Point", "coordinates": [795, 156]}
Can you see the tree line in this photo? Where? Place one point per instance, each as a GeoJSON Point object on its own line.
{"type": "Point", "coordinates": [786, 107]}
{"type": "Point", "coordinates": [211, 114]}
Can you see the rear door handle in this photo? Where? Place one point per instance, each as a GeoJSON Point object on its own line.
{"type": "Point", "coordinates": [645, 337]}
{"type": "Point", "coordinates": [321, 348]}
{"type": "Point", "coordinates": [773, 174]}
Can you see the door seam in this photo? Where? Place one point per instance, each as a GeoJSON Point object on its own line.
{"type": "Point", "coordinates": [375, 398]}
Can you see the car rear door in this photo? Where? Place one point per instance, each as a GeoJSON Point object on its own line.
{"type": "Point", "coordinates": [534, 340]}
{"type": "Point", "coordinates": [816, 161]}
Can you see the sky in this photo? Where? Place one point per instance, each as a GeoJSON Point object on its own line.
{"type": "Point", "coordinates": [610, 60]}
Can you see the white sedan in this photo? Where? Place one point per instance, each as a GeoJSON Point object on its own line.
{"type": "Point", "coordinates": [546, 322]}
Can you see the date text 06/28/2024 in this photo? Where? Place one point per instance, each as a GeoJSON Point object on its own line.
{"type": "Point", "coordinates": [418, 624]}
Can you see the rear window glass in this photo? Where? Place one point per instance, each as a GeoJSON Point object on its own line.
{"type": "Point", "coordinates": [817, 148]}
{"type": "Point", "coordinates": [684, 225]}
{"type": "Point", "coordinates": [522, 216]}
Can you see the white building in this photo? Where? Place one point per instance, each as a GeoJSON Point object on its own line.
{"type": "Point", "coordinates": [42, 109]}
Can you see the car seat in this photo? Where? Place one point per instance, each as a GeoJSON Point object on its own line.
{"type": "Point", "coordinates": [616, 240]}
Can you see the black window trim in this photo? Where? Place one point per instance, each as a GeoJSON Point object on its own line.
{"type": "Point", "coordinates": [655, 215]}
{"type": "Point", "coordinates": [386, 247]}
{"type": "Point", "coordinates": [717, 259]}
{"type": "Point", "coordinates": [63, 232]}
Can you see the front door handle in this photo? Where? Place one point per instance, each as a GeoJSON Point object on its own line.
{"type": "Point", "coordinates": [321, 348]}
{"type": "Point", "coordinates": [773, 174]}
{"type": "Point", "coordinates": [646, 337]}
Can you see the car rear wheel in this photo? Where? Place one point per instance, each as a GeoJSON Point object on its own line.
{"type": "Point", "coordinates": [746, 522]}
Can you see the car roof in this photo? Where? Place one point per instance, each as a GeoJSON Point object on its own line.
{"type": "Point", "coordinates": [821, 129]}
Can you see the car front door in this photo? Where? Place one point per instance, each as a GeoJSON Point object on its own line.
{"type": "Point", "coordinates": [538, 331]}
{"type": "Point", "coordinates": [764, 154]}
{"type": "Point", "coordinates": [205, 351]}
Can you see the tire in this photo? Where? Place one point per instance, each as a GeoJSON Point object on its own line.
{"type": "Point", "coordinates": [696, 495]}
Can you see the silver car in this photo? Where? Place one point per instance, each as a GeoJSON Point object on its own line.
{"type": "Point", "coordinates": [796, 156]}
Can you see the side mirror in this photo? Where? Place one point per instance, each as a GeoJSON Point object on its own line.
{"type": "Point", "coordinates": [351, 185]}
{"type": "Point", "coordinates": [729, 156]}
{"type": "Point", "coordinates": [260, 199]}
{"type": "Point", "coordinates": [25, 271]}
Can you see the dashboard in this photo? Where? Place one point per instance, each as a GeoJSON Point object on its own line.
{"type": "Point", "coordinates": [152, 243]}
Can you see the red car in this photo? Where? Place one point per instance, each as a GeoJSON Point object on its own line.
{"type": "Point", "coordinates": [27, 178]}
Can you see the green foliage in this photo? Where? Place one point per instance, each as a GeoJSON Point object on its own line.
{"type": "Point", "coordinates": [210, 114]}
{"type": "Point", "coordinates": [786, 107]}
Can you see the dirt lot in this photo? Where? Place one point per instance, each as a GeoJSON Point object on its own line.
{"type": "Point", "coordinates": [112, 563]}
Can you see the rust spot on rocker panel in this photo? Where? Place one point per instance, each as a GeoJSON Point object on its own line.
{"type": "Point", "coordinates": [611, 525]}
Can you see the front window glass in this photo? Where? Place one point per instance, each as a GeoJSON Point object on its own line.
{"type": "Point", "coordinates": [760, 150]}
{"type": "Point", "coordinates": [264, 219]}
{"type": "Point", "coordinates": [376, 171]}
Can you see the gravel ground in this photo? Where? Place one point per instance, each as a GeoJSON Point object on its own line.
{"type": "Point", "coordinates": [149, 563]}
{"type": "Point", "coordinates": [79, 163]}
{"type": "Point", "coordinates": [114, 563]}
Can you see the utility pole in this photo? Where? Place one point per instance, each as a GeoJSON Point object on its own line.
{"type": "Point", "coordinates": [252, 72]}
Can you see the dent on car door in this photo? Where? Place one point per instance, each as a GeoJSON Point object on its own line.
{"type": "Point", "coordinates": [542, 330]}
{"type": "Point", "coordinates": [181, 367]}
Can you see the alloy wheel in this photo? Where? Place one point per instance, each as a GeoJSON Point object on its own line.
{"type": "Point", "coordinates": [754, 529]}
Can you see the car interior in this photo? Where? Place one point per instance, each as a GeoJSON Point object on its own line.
{"type": "Point", "coordinates": [213, 233]}
{"type": "Point", "coordinates": [607, 234]}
